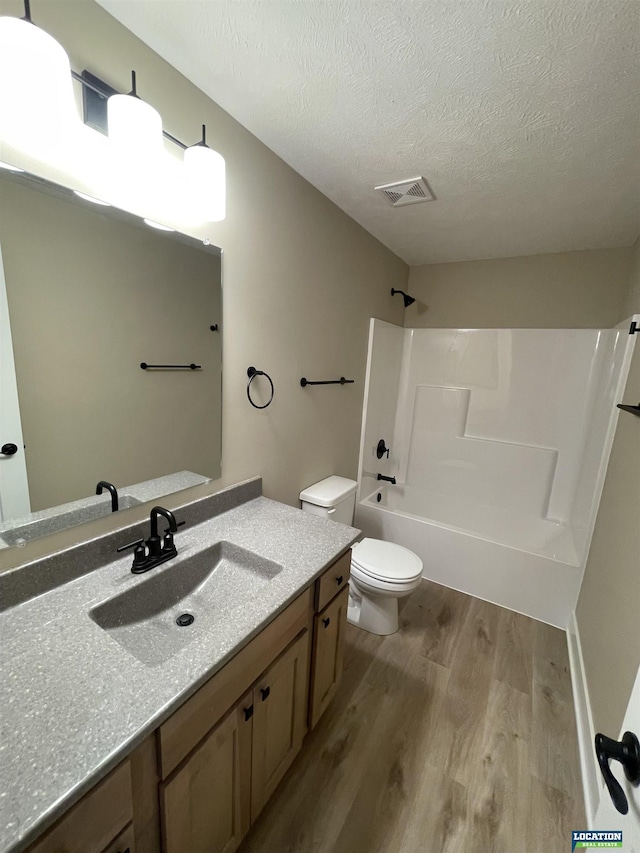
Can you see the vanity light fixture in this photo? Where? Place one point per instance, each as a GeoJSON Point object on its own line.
{"type": "Point", "coordinates": [133, 162]}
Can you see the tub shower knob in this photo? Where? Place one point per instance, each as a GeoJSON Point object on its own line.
{"type": "Point", "coordinates": [381, 449]}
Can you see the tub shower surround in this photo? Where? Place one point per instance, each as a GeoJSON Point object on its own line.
{"type": "Point", "coordinates": [499, 440]}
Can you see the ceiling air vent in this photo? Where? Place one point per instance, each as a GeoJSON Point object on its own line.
{"type": "Point", "coordinates": [412, 191]}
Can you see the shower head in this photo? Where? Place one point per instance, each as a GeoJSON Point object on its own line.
{"type": "Point", "coordinates": [408, 300]}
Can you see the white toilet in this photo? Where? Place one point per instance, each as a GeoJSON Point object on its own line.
{"type": "Point", "coordinates": [381, 572]}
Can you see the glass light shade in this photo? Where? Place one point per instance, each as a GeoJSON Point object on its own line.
{"type": "Point", "coordinates": [157, 225]}
{"type": "Point", "coordinates": [135, 128]}
{"type": "Point", "coordinates": [206, 183]}
{"type": "Point", "coordinates": [37, 106]}
{"type": "Point", "coordinates": [91, 198]}
{"type": "Point", "coordinates": [136, 152]}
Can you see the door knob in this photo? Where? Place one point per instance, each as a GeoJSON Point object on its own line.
{"type": "Point", "coordinates": [9, 449]}
{"type": "Point", "coordinates": [627, 752]}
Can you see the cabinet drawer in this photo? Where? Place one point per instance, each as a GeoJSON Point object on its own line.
{"type": "Point", "coordinates": [328, 655]}
{"type": "Point", "coordinates": [332, 581]}
{"type": "Point", "coordinates": [90, 825]}
{"type": "Point", "coordinates": [190, 723]}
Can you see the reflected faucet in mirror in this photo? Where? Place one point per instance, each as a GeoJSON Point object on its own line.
{"type": "Point", "coordinates": [112, 491]}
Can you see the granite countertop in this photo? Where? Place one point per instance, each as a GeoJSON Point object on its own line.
{"type": "Point", "coordinates": [75, 702]}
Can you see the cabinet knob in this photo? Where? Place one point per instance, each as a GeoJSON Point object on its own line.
{"type": "Point", "coordinates": [326, 622]}
{"type": "Point", "coordinates": [264, 692]}
{"type": "Point", "coordinates": [248, 713]}
{"type": "Point", "coordinates": [339, 579]}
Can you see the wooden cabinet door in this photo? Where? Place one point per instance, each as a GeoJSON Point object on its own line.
{"type": "Point", "coordinates": [205, 804]}
{"type": "Point", "coordinates": [279, 720]}
{"type": "Point", "coordinates": [328, 655]}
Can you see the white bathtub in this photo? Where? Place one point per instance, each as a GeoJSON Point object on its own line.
{"type": "Point", "coordinates": [513, 559]}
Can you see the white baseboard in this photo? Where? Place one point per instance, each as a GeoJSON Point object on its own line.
{"type": "Point", "coordinates": [591, 785]}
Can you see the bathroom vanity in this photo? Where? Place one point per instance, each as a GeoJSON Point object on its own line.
{"type": "Point", "coordinates": [138, 734]}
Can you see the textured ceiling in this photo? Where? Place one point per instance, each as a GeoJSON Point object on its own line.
{"type": "Point", "coordinates": [523, 115]}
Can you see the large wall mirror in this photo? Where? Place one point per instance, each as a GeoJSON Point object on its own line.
{"type": "Point", "coordinates": [92, 293]}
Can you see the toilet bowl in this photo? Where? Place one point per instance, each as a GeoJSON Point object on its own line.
{"type": "Point", "coordinates": [381, 572]}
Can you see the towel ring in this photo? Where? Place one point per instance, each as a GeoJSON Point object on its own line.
{"type": "Point", "coordinates": [252, 373]}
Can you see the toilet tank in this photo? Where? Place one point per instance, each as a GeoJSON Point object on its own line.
{"type": "Point", "coordinates": [333, 498]}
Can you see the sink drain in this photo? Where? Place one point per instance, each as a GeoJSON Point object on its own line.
{"type": "Point", "coordinates": [185, 619]}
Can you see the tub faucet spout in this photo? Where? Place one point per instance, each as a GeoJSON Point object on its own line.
{"type": "Point", "coordinates": [388, 479]}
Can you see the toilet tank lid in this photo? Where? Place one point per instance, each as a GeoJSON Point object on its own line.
{"type": "Point", "coordinates": [329, 492]}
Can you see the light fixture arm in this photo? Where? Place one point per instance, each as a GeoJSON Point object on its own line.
{"type": "Point", "coordinates": [27, 11]}
{"type": "Point", "coordinates": [203, 141]}
{"type": "Point", "coordinates": [133, 93]}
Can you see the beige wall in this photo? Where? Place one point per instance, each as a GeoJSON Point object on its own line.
{"type": "Point", "coordinates": [631, 301]}
{"type": "Point", "coordinates": [300, 278]}
{"type": "Point", "coordinates": [565, 290]}
{"type": "Point", "coordinates": [607, 611]}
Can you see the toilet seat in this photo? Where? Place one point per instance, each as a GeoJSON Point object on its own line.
{"type": "Point", "coordinates": [374, 586]}
{"type": "Point", "coordinates": [391, 565]}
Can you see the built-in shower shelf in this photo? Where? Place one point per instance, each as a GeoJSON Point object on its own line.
{"type": "Point", "coordinates": [635, 410]}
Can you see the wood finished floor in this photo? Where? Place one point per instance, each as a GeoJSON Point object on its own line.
{"type": "Point", "coordinates": [455, 735]}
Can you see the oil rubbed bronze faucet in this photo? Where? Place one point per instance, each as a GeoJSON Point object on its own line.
{"type": "Point", "coordinates": [153, 552]}
{"type": "Point", "coordinates": [388, 479]}
{"type": "Point", "coordinates": [112, 491]}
